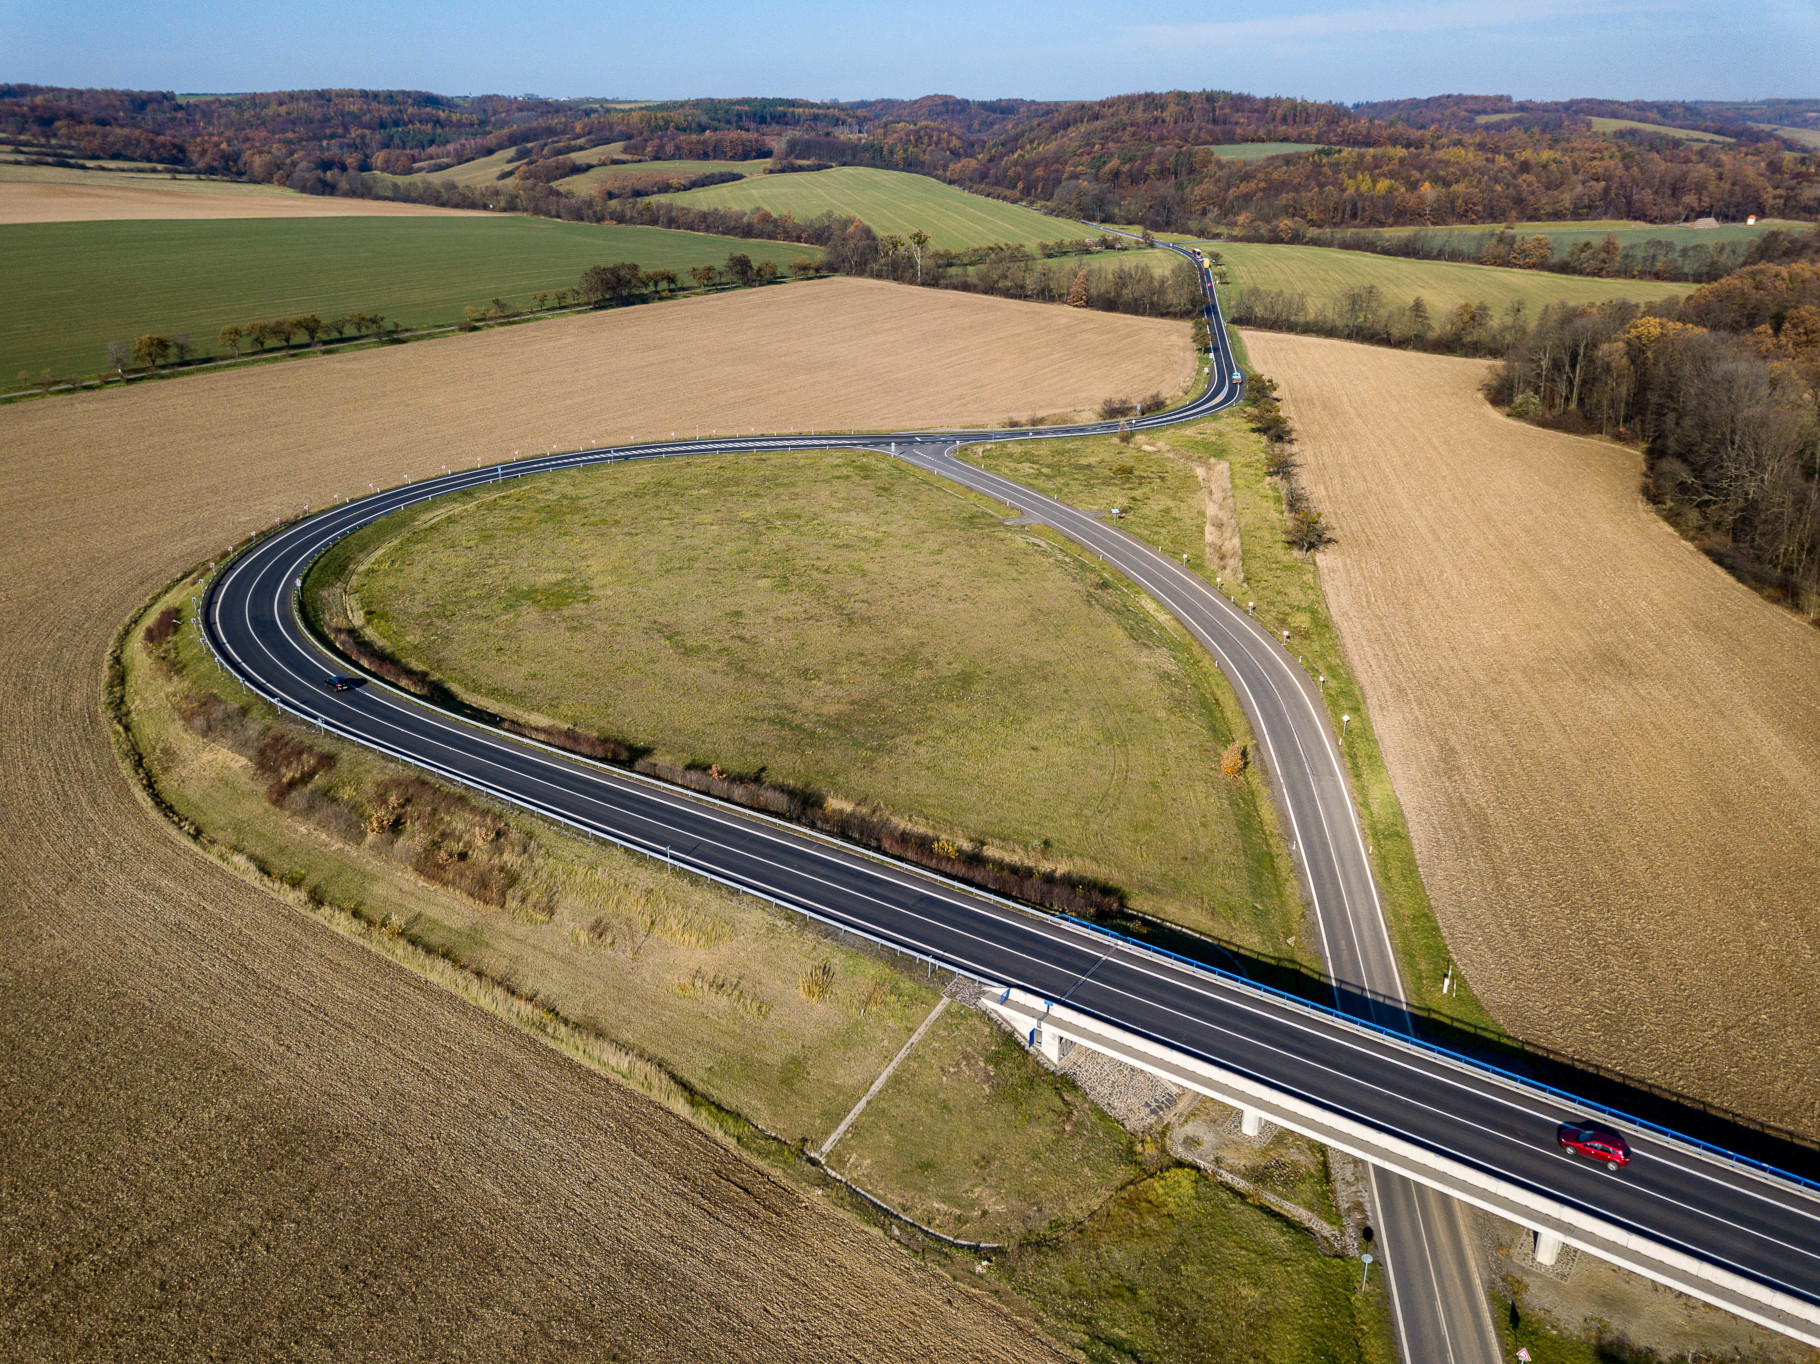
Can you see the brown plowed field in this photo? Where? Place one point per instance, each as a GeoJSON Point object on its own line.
{"type": "Point", "coordinates": [55, 202]}
{"type": "Point", "coordinates": [1609, 752]}
{"type": "Point", "coordinates": [227, 1132]}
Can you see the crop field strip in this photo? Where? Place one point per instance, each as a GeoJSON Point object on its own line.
{"type": "Point", "coordinates": [74, 287]}
{"type": "Point", "coordinates": [362, 1125]}
{"type": "Point", "coordinates": [1608, 750]}
{"type": "Point", "coordinates": [1258, 151]}
{"type": "Point", "coordinates": [1566, 234]}
{"type": "Point", "coordinates": [53, 194]}
{"type": "Point", "coordinates": [1631, 125]}
{"type": "Point", "coordinates": [1324, 274]}
{"type": "Point", "coordinates": [890, 202]}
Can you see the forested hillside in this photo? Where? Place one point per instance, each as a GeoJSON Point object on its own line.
{"type": "Point", "coordinates": [1146, 159]}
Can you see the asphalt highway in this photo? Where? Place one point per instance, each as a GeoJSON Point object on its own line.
{"type": "Point", "coordinates": [1763, 1228]}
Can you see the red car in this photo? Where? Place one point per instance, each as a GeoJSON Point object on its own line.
{"type": "Point", "coordinates": [1595, 1143]}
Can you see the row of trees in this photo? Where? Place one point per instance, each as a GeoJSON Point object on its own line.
{"type": "Point", "coordinates": [279, 331]}
{"type": "Point", "coordinates": [602, 285]}
{"type": "Point", "coordinates": [155, 350]}
{"type": "Point", "coordinates": [1305, 528]}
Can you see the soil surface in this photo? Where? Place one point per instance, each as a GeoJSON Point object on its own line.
{"type": "Point", "coordinates": [224, 1130]}
{"type": "Point", "coordinates": [53, 202]}
{"type": "Point", "coordinates": [1608, 750]}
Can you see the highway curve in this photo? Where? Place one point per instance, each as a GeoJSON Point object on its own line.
{"type": "Point", "coordinates": [1764, 1229]}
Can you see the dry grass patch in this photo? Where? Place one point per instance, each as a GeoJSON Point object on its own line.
{"type": "Point", "coordinates": [1609, 751]}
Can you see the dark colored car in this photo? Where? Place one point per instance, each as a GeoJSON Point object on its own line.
{"type": "Point", "coordinates": [344, 683]}
{"type": "Point", "coordinates": [1595, 1143]}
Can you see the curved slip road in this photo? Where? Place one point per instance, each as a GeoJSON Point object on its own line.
{"type": "Point", "coordinates": [1764, 1229]}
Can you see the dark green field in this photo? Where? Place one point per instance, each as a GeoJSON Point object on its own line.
{"type": "Point", "coordinates": [73, 287]}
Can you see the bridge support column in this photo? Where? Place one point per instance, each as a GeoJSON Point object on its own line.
{"type": "Point", "coordinates": [1548, 1247]}
{"type": "Point", "coordinates": [1251, 1122]}
{"type": "Point", "coordinates": [1050, 1042]}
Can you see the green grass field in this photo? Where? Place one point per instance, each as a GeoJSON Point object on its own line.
{"type": "Point", "coordinates": [1257, 151]}
{"type": "Point", "coordinates": [1807, 137]}
{"type": "Point", "coordinates": [1621, 125]}
{"type": "Point", "coordinates": [73, 287]}
{"type": "Point", "coordinates": [1565, 235]}
{"type": "Point", "coordinates": [856, 627]}
{"type": "Point", "coordinates": [1323, 274]}
{"type": "Point", "coordinates": [585, 182]}
{"type": "Point", "coordinates": [890, 202]}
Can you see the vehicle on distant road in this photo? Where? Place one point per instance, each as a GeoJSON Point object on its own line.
{"type": "Point", "coordinates": [338, 683]}
{"type": "Point", "coordinates": [1593, 1142]}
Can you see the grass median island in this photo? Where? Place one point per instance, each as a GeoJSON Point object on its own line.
{"type": "Point", "coordinates": [840, 623]}
{"type": "Point", "coordinates": [733, 1013]}
{"type": "Point", "coordinates": [1155, 484]}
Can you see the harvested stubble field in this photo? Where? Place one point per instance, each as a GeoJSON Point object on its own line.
{"type": "Point", "coordinates": [44, 194]}
{"type": "Point", "coordinates": [1609, 751]}
{"type": "Point", "coordinates": [288, 1144]}
{"type": "Point", "coordinates": [847, 625]}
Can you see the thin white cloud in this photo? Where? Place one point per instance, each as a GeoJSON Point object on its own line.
{"type": "Point", "coordinates": [1377, 19]}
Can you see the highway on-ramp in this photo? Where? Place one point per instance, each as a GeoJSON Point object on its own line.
{"type": "Point", "coordinates": [1764, 1229]}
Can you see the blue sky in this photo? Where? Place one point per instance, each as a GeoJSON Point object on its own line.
{"type": "Point", "coordinates": [1326, 49]}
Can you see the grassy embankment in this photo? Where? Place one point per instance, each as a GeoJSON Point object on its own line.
{"type": "Point", "coordinates": [1161, 500]}
{"type": "Point", "coordinates": [1324, 274]}
{"type": "Point", "coordinates": [74, 287]}
{"type": "Point", "coordinates": [851, 626]}
{"type": "Point", "coordinates": [890, 202]}
{"type": "Point", "coordinates": [731, 1012]}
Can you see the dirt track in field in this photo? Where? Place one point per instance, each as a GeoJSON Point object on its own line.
{"type": "Point", "coordinates": [51, 202]}
{"type": "Point", "coordinates": [225, 1131]}
{"type": "Point", "coordinates": [1609, 752]}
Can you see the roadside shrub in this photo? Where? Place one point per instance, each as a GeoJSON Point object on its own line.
{"type": "Point", "coordinates": [1235, 760]}
{"type": "Point", "coordinates": [290, 763]}
{"type": "Point", "coordinates": [163, 626]}
{"type": "Point", "coordinates": [1117, 407]}
{"type": "Point", "coordinates": [1156, 402]}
